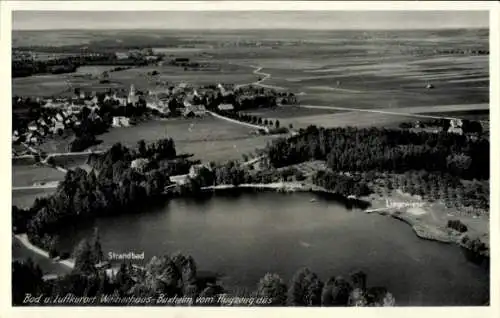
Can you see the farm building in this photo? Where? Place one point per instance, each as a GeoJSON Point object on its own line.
{"type": "Point", "coordinates": [121, 55]}
{"type": "Point", "coordinates": [57, 126]}
{"type": "Point", "coordinates": [195, 110]}
{"type": "Point", "coordinates": [159, 105]}
{"type": "Point", "coordinates": [456, 130]}
{"type": "Point", "coordinates": [32, 126]}
{"type": "Point", "coordinates": [456, 123]}
{"type": "Point", "coordinates": [121, 121]}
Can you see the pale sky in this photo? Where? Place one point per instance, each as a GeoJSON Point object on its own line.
{"type": "Point", "coordinates": [43, 20]}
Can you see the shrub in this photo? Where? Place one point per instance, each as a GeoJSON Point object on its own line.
{"type": "Point", "coordinates": [457, 226]}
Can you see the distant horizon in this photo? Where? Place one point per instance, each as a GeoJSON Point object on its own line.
{"type": "Point", "coordinates": [248, 20]}
{"type": "Point", "coordinates": [259, 29]}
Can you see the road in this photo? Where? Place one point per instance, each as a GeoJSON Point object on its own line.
{"type": "Point", "coordinates": [45, 186]}
{"type": "Point", "coordinates": [257, 71]}
{"type": "Point", "coordinates": [237, 121]}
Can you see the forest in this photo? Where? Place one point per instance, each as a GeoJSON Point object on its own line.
{"type": "Point", "coordinates": [434, 165]}
{"type": "Point", "coordinates": [118, 183]}
{"type": "Point", "coordinates": [23, 68]}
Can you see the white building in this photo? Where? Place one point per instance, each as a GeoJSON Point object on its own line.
{"type": "Point", "coordinates": [32, 127]}
{"type": "Point", "coordinates": [456, 130]}
{"type": "Point", "coordinates": [455, 123]}
{"type": "Point", "coordinates": [195, 110]}
{"type": "Point", "coordinates": [132, 98]}
{"type": "Point", "coordinates": [121, 121]}
{"type": "Point", "coordinates": [139, 164]}
{"type": "Point", "coordinates": [225, 107]}
{"type": "Point", "coordinates": [194, 170]}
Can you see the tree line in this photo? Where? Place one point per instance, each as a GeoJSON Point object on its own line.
{"type": "Point", "coordinates": [445, 166]}
{"type": "Point", "coordinates": [256, 120]}
{"type": "Point", "coordinates": [113, 186]}
{"type": "Point", "coordinates": [27, 67]}
{"type": "Point", "coordinates": [353, 149]}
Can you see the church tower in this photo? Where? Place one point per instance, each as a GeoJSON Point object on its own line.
{"type": "Point", "coordinates": [131, 95]}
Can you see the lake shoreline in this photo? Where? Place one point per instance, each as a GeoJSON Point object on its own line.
{"type": "Point", "coordinates": [423, 230]}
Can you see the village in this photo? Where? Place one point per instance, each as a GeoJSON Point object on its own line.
{"type": "Point", "coordinates": [45, 118]}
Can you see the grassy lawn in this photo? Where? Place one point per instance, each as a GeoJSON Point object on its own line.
{"type": "Point", "coordinates": [223, 150]}
{"type": "Point", "coordinates": [39, 85]}
{"type": "Point", "coordinates": [344, 119]}
{"type": "Point", "coordinates": [26, 198]}
{"type": "Point", "coordinates": [71, 162]}
{"type": "Point", "coordinates": [26, 175]}
{"type": "Point", "coordinates": [289, 112]}
{"type": "Point", "coordinates": [207, 138]}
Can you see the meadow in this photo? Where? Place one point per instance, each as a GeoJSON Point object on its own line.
{"type": "Point", "coordinates": [27, 175]}
{"type": "Point", "coordinates": [383, 70]}
{"type": "Point", "coordinates": [208, 138]}
{"type": "Point", "coordinates": [25, 198]}
{"type": "Point", "coordinates": [346, 119]}
{"type": "Point", "coordinates": [344, 68]}
{"type": "Point", "coordinates": [286, 112]}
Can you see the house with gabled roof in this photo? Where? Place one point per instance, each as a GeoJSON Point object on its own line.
{"type": "Point", "coordinates": [195, 110]}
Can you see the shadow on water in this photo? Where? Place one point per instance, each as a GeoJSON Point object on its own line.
{"type": "Point", "coordinates": [347, 202]}
{"type": "Point", "coordinates": [476, 258]}
{"type": "Point", "coordinates": [236, 193]}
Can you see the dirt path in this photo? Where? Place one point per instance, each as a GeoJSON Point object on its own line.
{"type": "Point", "coordinates": [257, 71]}
{"type": "Point", "coordinates": [23, 239]}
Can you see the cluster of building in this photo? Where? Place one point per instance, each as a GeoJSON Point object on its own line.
{"type": "Point", "coordinates": [191, 99]}
{"type": "Point", "coordinates": [64, 113]}
{"type": "Point", "coordinates": [146, 54]}
{"type": "Point", "coordinates": [51, 124]}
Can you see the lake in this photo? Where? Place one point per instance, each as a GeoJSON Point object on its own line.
{"type": "Point", "coordinates": [245, 236]}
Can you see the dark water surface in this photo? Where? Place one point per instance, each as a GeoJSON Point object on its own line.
{"type": "Point", "coordinates": [243, 237]}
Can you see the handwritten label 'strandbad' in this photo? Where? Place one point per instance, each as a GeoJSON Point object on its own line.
{"type": "Point", "coordinates": [71, 299]}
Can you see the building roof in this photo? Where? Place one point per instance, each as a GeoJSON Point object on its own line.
{"type": "Point", "coordinates": [225, 107]}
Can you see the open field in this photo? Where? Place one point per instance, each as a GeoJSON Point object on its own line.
{"type": "Point", "coordinates": [289, 112]}
{"type": "Point", "coordinates": [71, 162]}
{"type": "Point", "coordinates": [39, 85]}
{"type": "Point", "coordinates": [380, 70]}
{"type": "Point", "coordinates": [208, 138]}
{"type": "Point", "coordinates": [223, 150]}
{"type": "Point", "coordinates": [26, 197]}
{"type": "Point", "coordinates": [63, 84]}
{"type": "Point", "coordinates": [345, 119]}
{"type": "Point", "coordinates": [94, 70]}
{"type": "Point", "coordinates": [26, 175]}
{"type": "Point", "coordinates": [216, 73]}
{"type": "Point", "coordinates": [480, 114]}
